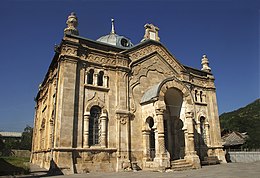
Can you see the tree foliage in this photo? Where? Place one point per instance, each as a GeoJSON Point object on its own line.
{"type": "Point", "coordinates": [26, 141]}
{"type": "Point", "coordinates": [246, 119]}
{"type": "Point", "coordinates": [13, 143]}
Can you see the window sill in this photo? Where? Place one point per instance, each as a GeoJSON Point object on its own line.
{"type": "Point", "coordinates": [200, 103]}
{"type": "Point", "coordinates": [100, 88]}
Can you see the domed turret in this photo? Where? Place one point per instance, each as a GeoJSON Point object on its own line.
{"type": "Point", "coordinates": [116, 40]}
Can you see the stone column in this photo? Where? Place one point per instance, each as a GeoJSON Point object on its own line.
{"type": "Point", "coordinates": [103, 141]}
{"type": "Point", "coordinates": [146, 145]}
{"type": "Point", "coordinates": [161, 155]}
{"type": "Point", "coordinates": [207, 133]}
{"type": "Point", "coordinates": [198, 96]}
{"type": "Point", "coordinates": [160, 129]}
{"type": "Point", "coordinates": [105, 81]}
{"type": "Point", "coordinates": [190, 153]}
{"type": "Point", "coordinates": [95, 78]}
{"type": "Point", "coordinates": [86, 130]}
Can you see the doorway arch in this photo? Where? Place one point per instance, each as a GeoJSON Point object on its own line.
{"type": "Point", "coordinates": [173, 124]}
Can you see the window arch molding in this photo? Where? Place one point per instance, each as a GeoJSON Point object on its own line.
{"type": "Point", "coordinates": [96, 102]}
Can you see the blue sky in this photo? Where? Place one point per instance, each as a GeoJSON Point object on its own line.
{"type": "Point", "coordinates": [226, 30]}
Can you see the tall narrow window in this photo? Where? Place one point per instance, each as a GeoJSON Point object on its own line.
{"type": "Point", "coordinates": [200, 96]}
{"type": "Point", "coordinates": [202, 130]}
{"type": "Point", "coordinates": [196, 95]}
{"type": "Point", "coordinates": [90, 76]}
{"type": "Point", "coordinates": [94, 125]}
{"type": "Point", "coordinates": [100, 78]}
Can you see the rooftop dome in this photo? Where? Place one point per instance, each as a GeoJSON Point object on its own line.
{"type": "Point", "coordinates": [115, 40]}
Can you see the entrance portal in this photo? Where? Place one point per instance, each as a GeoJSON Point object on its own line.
{"type": "Point", "coordinates": [173, 124]}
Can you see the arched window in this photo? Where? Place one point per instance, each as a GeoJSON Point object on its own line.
{"type": "Point", "coordinates": [196, 95]}
{"type": "Point", "coordinates": [90, 76]}
{"type": "Point", "coordinates": [100, 78]}
{"type": "Point", "coordinates": [94, 125]}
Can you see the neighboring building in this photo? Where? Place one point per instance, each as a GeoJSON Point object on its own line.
{"type": "Point", "coordinates": [234, 140]}
{"type": "Point", "coordinates": [11, 136]}
{"type": "Point", "coordinates": [108, 105]}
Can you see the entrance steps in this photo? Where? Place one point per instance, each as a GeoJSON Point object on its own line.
{"type": "Point", "coordinates": [180, 165]}
{"type": "Point", "coordinates": [210, 160]}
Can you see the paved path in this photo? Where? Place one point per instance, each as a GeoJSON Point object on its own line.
{"type": "Point", "coordinates": [230, 170]}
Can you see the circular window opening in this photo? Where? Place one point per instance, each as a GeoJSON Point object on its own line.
{"type": "Point", "coordinates": [124, 42]}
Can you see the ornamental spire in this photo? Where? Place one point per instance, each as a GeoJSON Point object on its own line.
{"type": "Point", "coordinates": [205, 63]}
{"type": "Point", "coordinates": [72, 24]}
{"type": "Point", "coordinates": [113, 27]}
{"type": "Point", "coordinates": [151, 33]}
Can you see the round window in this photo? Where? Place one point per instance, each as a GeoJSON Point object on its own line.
{"type": "Point", "coordinates": [124, 42]}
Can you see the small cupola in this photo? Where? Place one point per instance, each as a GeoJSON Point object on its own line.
{"type": "Point", "coordinates": [116, 40]}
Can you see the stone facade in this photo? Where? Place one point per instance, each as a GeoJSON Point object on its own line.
{"type": "Point", "coordinates": [104, 107]}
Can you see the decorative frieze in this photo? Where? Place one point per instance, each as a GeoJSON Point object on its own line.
{"type": "Point", "coordinates": [105, 60]}
{"type": "Point", "coordinates": [69, 50]}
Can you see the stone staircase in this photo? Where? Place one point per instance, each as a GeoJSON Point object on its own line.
{"type": "Point", "coordinates": [180, 165]}
{"type": "Point", "coordinates": [210, 160]}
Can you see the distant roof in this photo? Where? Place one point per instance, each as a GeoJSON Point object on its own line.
{"type": "Point", "coordinates": [11, 134]}
{"type": "Point", "coordinates": [234, 138]}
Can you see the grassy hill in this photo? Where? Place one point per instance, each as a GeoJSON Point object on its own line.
{"type": "Point", "coordinates": [246, 119]}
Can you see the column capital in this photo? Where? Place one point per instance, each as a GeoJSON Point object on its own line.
{"type": "Point", "coordinates": [159, 111]}
{"type": "Point", "coordinates": [189, 114]}
{"type": "Point", "coordinates": [86, 114]}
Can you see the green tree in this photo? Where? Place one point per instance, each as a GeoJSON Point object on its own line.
{"type": "Point", "coordinates": [2, 146]}
{"type": "Point", "coordinates": [26, 141]}
{"type": "Point", "coordinates": [246, 119]}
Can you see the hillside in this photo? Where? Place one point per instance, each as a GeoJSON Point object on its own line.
{"type": "Point", "coordinates": [246, 119]}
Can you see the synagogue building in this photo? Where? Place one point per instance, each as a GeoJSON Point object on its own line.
{"type": "Point", "coordinates": [111, 105]}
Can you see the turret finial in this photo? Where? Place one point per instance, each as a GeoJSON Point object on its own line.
{"type": "Point", "coordinates": [113, 26]}
{"type": "Point", "coordinates": [151, 33]}
{"type": "Point", "coordinates": [72, 24]}
{"type": "Point", "coordinates": [205, 63]}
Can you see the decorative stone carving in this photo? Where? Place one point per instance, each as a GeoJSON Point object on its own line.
{"type": "Point", "coordinates": [72, 24]}
{"type": "Point", "coordinates": [156, 49]}
{"type": "Point", "coordinates": [106, 60]}
{"type": "Point", "coordinates": [95, 99]}
{"type": "Point", "coordinates": [205, 64]}
{"type": "Point", "coordinates": [142, 70]}
{"type": "Point", "coordinates": [151, 32]}
{"type": "Point", "coordinates": [68, 50]}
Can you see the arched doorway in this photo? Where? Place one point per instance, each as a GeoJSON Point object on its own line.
{"type": "Point", "coordinates": [173, 124]}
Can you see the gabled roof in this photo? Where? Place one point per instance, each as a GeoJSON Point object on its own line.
{"type": "Point", "coordinates": [234, 138]}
